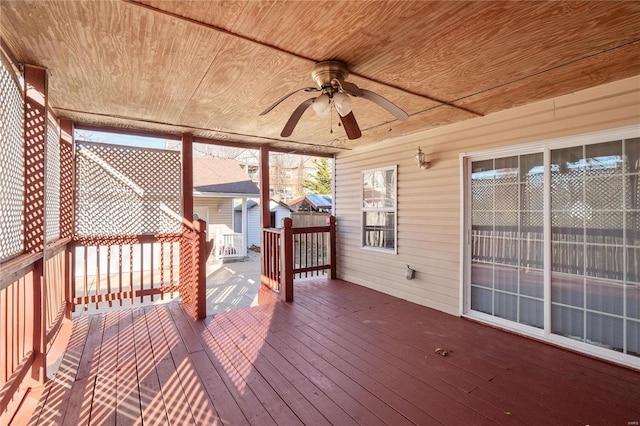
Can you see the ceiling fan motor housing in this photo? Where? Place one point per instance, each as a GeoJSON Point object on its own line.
{"type": "Point", "coordinates": [326, 71]}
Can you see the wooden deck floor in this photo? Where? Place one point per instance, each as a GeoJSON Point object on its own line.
{"type": "Point", "coordinates": [340, 354]}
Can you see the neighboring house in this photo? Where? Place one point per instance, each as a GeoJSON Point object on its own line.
{"type": "Point", "coordinates": [278, 212]}
{"type": "Point", "coordinates": [216, 184]}
{"type": "Point", "coordinates": [312, 203]}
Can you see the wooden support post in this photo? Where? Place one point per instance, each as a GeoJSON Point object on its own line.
{"type": "Point", "coordinates": [34, 211]}
{"type": "Point", "coordinates": [286, 259]}
{"type": "Point", "coordinates": [67, 209]}
{"type": "Point", "coordinates": [200, 275]}
{"type": "Point", "coordinates": [265, 212]}
{"type": "Point", "coordinates": [332, 247]}
{"type": "Point", "coordinates": [187, 180]}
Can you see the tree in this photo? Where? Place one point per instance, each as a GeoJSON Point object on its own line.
{"type": "Point", "coordinates": [322, 181]}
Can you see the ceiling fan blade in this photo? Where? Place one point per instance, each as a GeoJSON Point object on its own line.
{"type": "Point", "coordinates": [276, 103]}
{"type": "Point", "coordinates": [347, 87]}
{"type": "Point", "coordinates": [295, 117]}
{"type": "Point", "coordinates": [385, 103]}
{"type": "Point", "coordinates": [350, 126]}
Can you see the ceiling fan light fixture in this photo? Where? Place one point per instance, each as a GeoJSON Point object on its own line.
{"type": "Point", "coordinates": [342, 103]}
{"type": "Point", "coordinates": [321, 105]}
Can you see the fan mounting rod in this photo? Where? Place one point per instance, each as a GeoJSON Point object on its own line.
{"type": "Point", "coordinates": [325, 72]}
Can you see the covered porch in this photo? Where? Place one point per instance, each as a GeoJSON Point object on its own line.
{"type": "Point", "coordinates": [341, 354]}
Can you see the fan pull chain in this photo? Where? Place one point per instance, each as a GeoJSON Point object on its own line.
{"type": "Point", "coordinates": [331, 122]}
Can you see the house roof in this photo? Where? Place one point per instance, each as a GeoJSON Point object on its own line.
{"type": "Point", "coordinates": [207, 68]}
{"type": "Point", "coordinates": [221, 176]}
{"type": "Point", "coordinates": [272, 205]}
{"type": "Point", "coordinates": [317, 201]}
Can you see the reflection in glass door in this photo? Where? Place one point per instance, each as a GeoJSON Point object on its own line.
{"type": "Point", "coordinates": [595, 244]}
{"type": "Point", "coordinates": [507, 199]}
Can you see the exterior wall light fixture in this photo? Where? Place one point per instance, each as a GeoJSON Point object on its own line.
{"type": "Point", "coordinates": [421, 159]}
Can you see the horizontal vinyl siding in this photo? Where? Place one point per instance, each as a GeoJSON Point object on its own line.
{"type": "Point", "coordinates": [216, 219]}
{"type": "Point", "coordinates": [429, 200]}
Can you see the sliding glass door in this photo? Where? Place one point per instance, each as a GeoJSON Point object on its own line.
{"type": "Point", "coordinates": [595, 244]}
{"type": "Point", "coordinates": [554, 241]}
{"type": "Point", "coordinates": [506, 225]}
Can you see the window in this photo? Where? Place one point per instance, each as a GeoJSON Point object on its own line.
{"type": "Point", "coordinates": [379, 188]}
{"type": "Point", "coordinates": [554, 241]}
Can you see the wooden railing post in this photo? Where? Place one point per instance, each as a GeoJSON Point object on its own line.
{"type": "Point", "coordinates": [286, 259]}
{"type": "Point", "coordinates": [200, 272]}
{"type": "Point", "coordinates": [332, 247]}
{"type": "Point", "coordinates": [34, 208]}
{"type": "Point", "coordinates": [67, 207]}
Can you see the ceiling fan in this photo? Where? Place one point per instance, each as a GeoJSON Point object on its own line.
{"type": "Point", "coordinates": [330, 76]}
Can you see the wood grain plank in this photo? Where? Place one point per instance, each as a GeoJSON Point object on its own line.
{"type": "Point", "coordinates": [81, 396]}
{"type": "Point", "coordinates": [238, 394]}
{"type": "Point", "coordinates": [128, 410]}
{"type": "Point", "coordinates": [268, 397]}
{"type": "Point", "coordinates": [54, 402]}
{"type": "Point", "coordinates": [328, 411]}
{"type": "Point", "coordinates": [103, 407]}
{"type": "Point", "coordinates": [346, 402]}
{"type": "Point", "coordinates": [151, 402]}
{"type": "Point", "coordinates": [175, 401]}
{"type": "Point", "coordinates": [200, 404]}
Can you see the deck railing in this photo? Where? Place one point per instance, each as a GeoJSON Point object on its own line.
{"type": "Point", "coordinates": [38, 290]}
{"type": "Point", "coordinates": [228, 245]}
{"type": "Point", "coordinates": [112, 269]}
{"type": "Point", "coordinates": [32, 305]}
{"type": "Point", "coordinates": [291, 252]}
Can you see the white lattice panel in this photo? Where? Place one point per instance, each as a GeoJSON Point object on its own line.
{"type": "Point", "coordinates": [52, 188]}
{"type": "Point", "coordinates": [11, 163]}
{"type": "Point", "coordinates": [124, 190]}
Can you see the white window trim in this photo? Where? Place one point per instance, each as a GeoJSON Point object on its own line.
{"type": "Point", "coordinates": [394, 210]}
{"type": "Point", "coordinates": [546, 146]}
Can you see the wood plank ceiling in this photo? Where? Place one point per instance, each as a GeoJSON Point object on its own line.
{"type": "Point", "coordinates": [210, 67]}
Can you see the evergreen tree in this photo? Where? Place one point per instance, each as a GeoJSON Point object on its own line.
{"type": "Point", "coordinates": [322, 182]}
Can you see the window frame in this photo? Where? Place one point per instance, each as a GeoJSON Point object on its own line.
{"type": "Point", "coordinates": [393, 209]}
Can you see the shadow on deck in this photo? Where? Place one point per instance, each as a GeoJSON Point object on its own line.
{"type": "Point", "coordinates": [340, 354]}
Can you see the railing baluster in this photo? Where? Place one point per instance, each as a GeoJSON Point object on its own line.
{"type": "Point", "coordinates": [141, 286]}
{"type": "Point", "coordinates": [109, 276]}
{"type": "Point", "coordinates": [152, 280]}
{"type": "Point", "coordinates": [120, 246]}
{"type": "Point", "coordinates": [85, 278]}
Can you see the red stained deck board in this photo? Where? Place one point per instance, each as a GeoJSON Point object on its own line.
{"type": "Point", "coordinates": [103, 408]}
{"type": "Point", "coordinates": [188, 336]}
{"type": "Point", "coordinates": [325, 406]}
{"type": "Point", "coordinates": [127, 393]}
{"type": "Point", "coordinates": [58, 391]}
{"type": "Point", "coordinates": [357, 391]}
{"type": "Point", "coordinates": [440, 407]}
{"type": "Point", "coordinates": [249, 365]}
{"type": "Point", "coordinates": [316, 375]}
{"type": "Point", "coordinates": [432, 370]}
{"type": "Point", "coordinates": [242, 394]}
{"type": "Point", "coordinates": [152, 406]}
{"type": "Point", "coordinates": [200, 405]}
{"type": "Point", "coordinates": [339, 354]}
{"type": "Point", "coordinates": [349, 366]}
{"type": "Point", "coordinates": [276, 372]}
{"type": "Point", "coordinates": [172, 393]}
{"type": "Point", "coordinates": [81, 394]}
